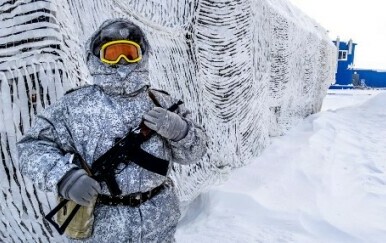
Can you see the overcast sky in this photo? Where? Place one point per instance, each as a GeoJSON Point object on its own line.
{"type": "Point", "coordinates": [364, 21]}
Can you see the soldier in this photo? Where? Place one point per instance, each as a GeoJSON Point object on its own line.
{"type": "Point", "coordinates": [87, 122]}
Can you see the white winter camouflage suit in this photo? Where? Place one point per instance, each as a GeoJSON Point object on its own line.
{"type": "Point", "coordinates": [87, 121]}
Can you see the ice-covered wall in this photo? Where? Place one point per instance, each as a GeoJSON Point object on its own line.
{"type": "Point", "coordinates": [248, 69]}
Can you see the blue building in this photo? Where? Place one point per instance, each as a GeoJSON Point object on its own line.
{"type": "Point", "coordinates": [347, 76]}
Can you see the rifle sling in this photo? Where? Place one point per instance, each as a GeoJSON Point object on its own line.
{"type": "Point", "coordinates": [150, 162]}
{"type": "Point", "coordinates": [135, 155]}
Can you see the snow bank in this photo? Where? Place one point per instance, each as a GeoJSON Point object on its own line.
{"type": "Point", "coordinates": [325, 181]}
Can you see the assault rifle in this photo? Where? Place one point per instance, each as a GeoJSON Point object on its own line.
{"type": "Point", "coordinates": [125, 150]}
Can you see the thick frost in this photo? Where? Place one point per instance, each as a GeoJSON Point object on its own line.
{"type": "Point", "coordinates": [249, 70]}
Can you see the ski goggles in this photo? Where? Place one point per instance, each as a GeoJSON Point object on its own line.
{"type": "Point", "coordinates": [112, 52]}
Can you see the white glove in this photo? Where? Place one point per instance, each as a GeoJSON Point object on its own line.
{"type": "Point", "coordinates": [77, 186]}
{"type": "Point", "coordinates": [166, 123]}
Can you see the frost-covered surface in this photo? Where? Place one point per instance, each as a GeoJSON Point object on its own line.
{"type": "Point", "coordinates": [249, 69]}
{"type": "Point", "coordinates": [324, 181]}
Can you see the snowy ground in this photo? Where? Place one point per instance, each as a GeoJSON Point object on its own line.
{"type": "Point", "coordinates": [325, 181]}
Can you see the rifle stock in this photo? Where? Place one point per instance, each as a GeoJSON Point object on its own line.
{"type": "Point", "coordinates": [49, 217]}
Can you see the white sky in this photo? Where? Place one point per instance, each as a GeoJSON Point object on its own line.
{"type": "Point", "coordinates": [364, 21]}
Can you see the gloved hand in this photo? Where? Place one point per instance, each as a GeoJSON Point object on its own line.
{"type": "Point", "coordinates": [166, 123]}
{"type": "Point", "coordinates": [77, 186]}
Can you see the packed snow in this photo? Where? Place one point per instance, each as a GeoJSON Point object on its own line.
{"type": "Point", "coordinates": [324, 181]}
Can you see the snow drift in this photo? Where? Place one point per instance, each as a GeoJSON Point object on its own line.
{"type": "Point", "coordinates": [322, 182]}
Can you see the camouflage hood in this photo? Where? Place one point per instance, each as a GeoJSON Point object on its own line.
{"type": "Point", "coordinates": [117, 79]}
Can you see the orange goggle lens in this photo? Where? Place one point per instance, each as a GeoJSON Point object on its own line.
{"type": "Point", "coordinates": [112, 52]}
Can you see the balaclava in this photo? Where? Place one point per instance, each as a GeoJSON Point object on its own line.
{"type": "Point", "coordinates": [124, 79]}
